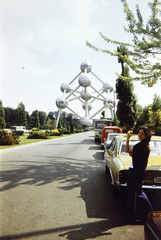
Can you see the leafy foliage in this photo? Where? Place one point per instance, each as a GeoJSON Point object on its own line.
{"type": "Point", "coordinates": [2, 116]}
{"type": "Point", "coordinates": [21, 115]}
{"type": "Point", "coordinates": [143, 56]}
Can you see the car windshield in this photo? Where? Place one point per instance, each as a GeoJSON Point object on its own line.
{"type": "Point", "coordinates": [155, 147]}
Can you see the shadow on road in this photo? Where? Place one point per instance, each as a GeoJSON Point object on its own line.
{"type": "Point", "coordinates": [74, 232]}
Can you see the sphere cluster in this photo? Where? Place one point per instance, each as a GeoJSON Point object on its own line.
{"type": "Point", "coordinates": [85, 95]}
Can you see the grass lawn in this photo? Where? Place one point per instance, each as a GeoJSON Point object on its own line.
{"type": "Point", "coordinates": [25, 141]}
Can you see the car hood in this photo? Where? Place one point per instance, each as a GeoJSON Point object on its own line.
{"type": "Point", "coordinates": [154, 162]}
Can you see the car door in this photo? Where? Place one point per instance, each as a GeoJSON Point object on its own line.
{"type": "Point", "coordinates": [111, 153]}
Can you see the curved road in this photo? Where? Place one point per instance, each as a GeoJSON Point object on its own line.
{"type": "Point", "coordinates": [58, 189]}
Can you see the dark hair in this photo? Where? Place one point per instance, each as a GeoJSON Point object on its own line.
{"type": "Point", "coordinates": [146, 131]}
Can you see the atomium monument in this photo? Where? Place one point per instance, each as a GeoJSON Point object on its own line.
{"type": "Point", "coordinates": [87, 95]}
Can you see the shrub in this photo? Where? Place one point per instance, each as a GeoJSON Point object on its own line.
{"type": "Point", "coordinates": [37, 135]}
{"type": "Point", "coordinates": [34, 129]}
{"type": "Point", "coordinates": [3, 133]}
{"type": "Point", "coordinates": [78, 131]}
{"type": "Point", "coordinates": [55, 132]}
{"type": "Point", "coordinates": [158, 131]}
{"type": "Point", "coordinates": [16, 136]}
{"type": "Point", "coordinates": [7, 140]}
{"type": "Point", "coordinates": [18, 133]}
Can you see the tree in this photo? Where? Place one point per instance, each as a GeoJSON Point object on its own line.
{"type": "Point", "coordinates": [10, 116]}
{"type": "Point", "coordinates": [156, 103]}
{"type": "Point", "coordinates": [21, 115]}
{"type": "Point", "coordinates": [35, 119]}
{"type": "Point", "coordinates": [42, 119]}
{"type": "Point", "coordinates": [2, 116]}
{"type": "Point", "coordinates": [146, 46]}
{"type": "Point", "coordinates": [142, 117]}
{"type": "Point", "coordinates": [127, 108]}
{"type": "Point", "coordinates": [155, 111]}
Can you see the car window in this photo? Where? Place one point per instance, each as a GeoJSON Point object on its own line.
{"type": "Point", "coordinates": [155, 147]}
{"type": "Point", "coordinates": [113, 144]}
{"type": "Point", "coordinates": [123, 146]}
{"type": "Point", "coordinates": [111, 131]}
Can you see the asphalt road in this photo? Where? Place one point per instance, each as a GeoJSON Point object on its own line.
{"type": "Point", "coordinates": [58, 189]}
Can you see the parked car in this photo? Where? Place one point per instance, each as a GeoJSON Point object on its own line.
{"type": "Point", "coordinates": [108, 140]}
{"type": "Point", "coordinates": [118, 161]}
{"type": "Point", "coordinates": [106, 131]}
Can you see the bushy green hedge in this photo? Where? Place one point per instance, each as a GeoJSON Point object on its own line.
{"type": "Point", "coordinates": [8, 139]}
{"type": "Point", "coordinates": [18, 133]}
{"type": "Point", "coordinates": [38, 135]}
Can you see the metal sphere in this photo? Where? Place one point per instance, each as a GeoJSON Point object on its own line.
{"type": "Point", "coordinates": [61, 102]}
{"type": "Point", "coordinates": [84, 80]}
{"type": "Point", "coordinates": [108, 86]}
{"type": "Point", "coordinates": [108, 102]}
{"type": "Point", "coordinates": [86, 65]}
{"type": "Point", "coordinates": [89, 106]}
{"type": "Point", "coordinates": [64, 86]}
{"type": "Point", "coordinates": [86, 95]}
{"type": "Point", "coordinates": [86, 122]}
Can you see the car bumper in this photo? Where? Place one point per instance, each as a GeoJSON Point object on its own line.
{"type": "Point", "coordinates": [150, 187]}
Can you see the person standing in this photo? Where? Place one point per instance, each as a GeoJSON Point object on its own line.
{"type": "Point", "coordinates": [136, 198]}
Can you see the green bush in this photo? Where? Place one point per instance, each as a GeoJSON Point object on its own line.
{"type": "Point", "coordinates": [16, 136]}
{"type": "Point", "coordinates": [18, 133]}
{"type": "Point", "coordinates": [158, 131]}
{"type": "Point", "coordinates": [78, 131]}
{"type": "Point", "coordinates": [3, 133]}
{"type": "Point", "coordinates": [9, 139]}
{"type": "Point", "coordinates": [37, 135]}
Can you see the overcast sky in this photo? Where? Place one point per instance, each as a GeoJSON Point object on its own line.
{"type": "Point", "coordinates": [42, 45]}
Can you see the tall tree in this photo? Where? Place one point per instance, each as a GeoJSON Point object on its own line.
{"type": "Point", "coordinates": [127, 101]}
{"type": "Point", "coordinates": [10, 116]}
{"type": "Point", "coordinates": [145, 49]}
{"type": "Point", "coordinates": [43, 119]}
{"type": "Point", "coordinates": [155, 111]}
{"type": "Point", "coordinates": [21, 115]}
{"type": "Point", "coordinates": [35, 119]}
{"type": "Point", "coordinates": [2, 116]}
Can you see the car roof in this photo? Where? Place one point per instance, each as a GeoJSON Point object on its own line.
{"type": "Point", "coordinates": [114, 134]}
{"type": "Point", "coordinates": [135, 137]}
{"type": "Point", "coordinates": [111, 127]}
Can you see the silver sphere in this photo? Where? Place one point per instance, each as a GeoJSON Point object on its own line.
{"type": "Point", "coordinates": [64, 86]}
{"type": "Point", "coordinates": [84, 80]}
{"type": "Point", "coordinates": [108, 102]}
{"type": "Point", "coordinates": [108, 86]}
{"type": "Point", "coordinates": [89, 106]}
{"type": "Point", "coordinates": [86, 65]}
{"type": "Point", "coordinates": [86, 95]}
{"type": "Point", "coordinates": [86, 122]}
{"type": "Point", "coordinates": [61, 102]}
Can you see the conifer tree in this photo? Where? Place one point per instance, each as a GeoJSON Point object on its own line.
{"type": "Point", "coordinates": [127, 101]}
{"type": "Point", "coordinates": [2, 116]}
{"type": "Point", "coordinates": [145, 49]}
{"type": "Point", "coordinates": [21, 118]}
{"type": "Point", "coordinates": [35, 119]}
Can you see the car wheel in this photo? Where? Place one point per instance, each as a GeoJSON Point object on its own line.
{"type": "Point", "coordinates": [115, 192]}
{"type": "Point", "coordinates": [107, 170]}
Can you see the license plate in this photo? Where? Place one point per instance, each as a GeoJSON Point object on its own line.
{"type": "Point", "coordinates": [157, 179]}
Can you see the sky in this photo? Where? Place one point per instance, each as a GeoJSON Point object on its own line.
{"type": "Point", "coordinates": [43, 44]}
